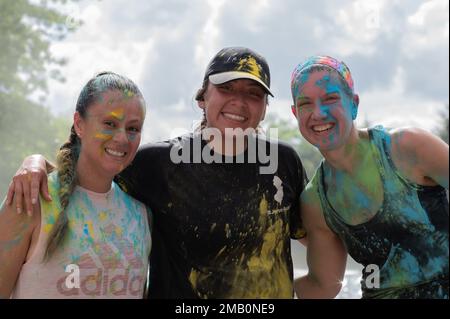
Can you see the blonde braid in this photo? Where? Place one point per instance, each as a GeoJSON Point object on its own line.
{"type": "Point", "coordinates": [66, 160]}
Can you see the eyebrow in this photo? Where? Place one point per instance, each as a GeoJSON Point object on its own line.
{"type": "Point", "coordinates": [136, 120]}
{"type": "Point", "coordinates": [110, 115]}
{"type": "Point", "coordinates": [256, 85]}
{"type": "Point", "coordinates": [305, 98]}
{"type": "Point", "coordinates": [252, 84]}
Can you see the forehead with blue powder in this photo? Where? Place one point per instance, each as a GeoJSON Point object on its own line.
{"type": "Point", "coordinates": [333, 82]}
{"type": "Point", "coordinates": [328, 85]}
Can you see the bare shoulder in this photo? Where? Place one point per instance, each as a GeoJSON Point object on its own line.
{"type": "Point", "coordinates": [419, 154]}
{"type": "Point", "coordinates": [413, 139]}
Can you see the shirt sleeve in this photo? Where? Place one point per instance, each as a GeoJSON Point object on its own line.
{"type": "Point", "coordinates": [295, 221]}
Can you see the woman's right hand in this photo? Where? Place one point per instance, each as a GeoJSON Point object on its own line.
{"type": "Point", "coordinates": [29, 179]}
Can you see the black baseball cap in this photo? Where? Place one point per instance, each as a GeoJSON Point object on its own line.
{"type": "Point", "coordinates": [238, 63]}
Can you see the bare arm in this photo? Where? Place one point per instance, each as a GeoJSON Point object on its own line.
{"type": "Point", "coordinates": [15, 239]}
{"type": "Point", "coordinates": [326, 254]}
{"type": "Point", "coordinates": [421, 156]}
{"type": "Point", "coordinates": [28, 180]}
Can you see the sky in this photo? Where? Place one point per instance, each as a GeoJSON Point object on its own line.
{"type": "Point", "coordinates": [397, 51]}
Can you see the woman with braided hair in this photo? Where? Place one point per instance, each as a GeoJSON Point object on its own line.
{"type": "Point", "coordinates": [92, 240]}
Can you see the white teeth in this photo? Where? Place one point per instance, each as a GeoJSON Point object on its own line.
{"type": "Point", "coordinates": [234, 117]}
{"type": "Point", "coordinates": [321, 128]}
{"type": "Point", "coordinates": [114, 153]}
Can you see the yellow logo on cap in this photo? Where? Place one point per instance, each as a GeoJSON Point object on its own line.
{"type": "Point", "coordinates": [250, 65]}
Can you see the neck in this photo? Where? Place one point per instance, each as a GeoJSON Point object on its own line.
{"type": "Point", "coordinates": [229, 145]}
{"type": "Point", "coordinates": [346, 157]}
{"type": "Point", "coordinates": [91, 179]}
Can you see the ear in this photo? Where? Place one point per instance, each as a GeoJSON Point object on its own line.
{"type": "Point", "coordinates": [294, 110]}
{"type": "Point", "coordinates": [355, 105]}
{"type": "Point", "coordinates": [263, 116]}
{"type": "Point", "coordinates": [78, 124]}
{"type": "Point", "coordinates": [201, 104]}
{"type": "Point", "coordinates": [200, 97]}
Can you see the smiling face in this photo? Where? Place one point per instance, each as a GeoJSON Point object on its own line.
{"type": "Point", "coordinates": [235, 104]}
{"type": "Point", "coordinates": [110, 133]}
{"type": "Point", "coordinates": [324, 109]}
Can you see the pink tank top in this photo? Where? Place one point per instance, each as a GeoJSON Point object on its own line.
{"type": "Point", "coordinates": [104, 254]}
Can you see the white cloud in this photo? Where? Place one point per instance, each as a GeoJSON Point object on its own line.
{"type": "Point", "coordinates": [395, 108]}
{"type": "Point", "coordinates": [398, 52]}
{"type": "Point", "coordinates": [87, 59]}
{"type": "Point", "coordinates": [208, 41]}
{"type": "Point", "coordinates": [362, 22]}
{"type": "Point", "coordinates": [427, 28]}
{"type": "Point", "coordinates": [161, 124]}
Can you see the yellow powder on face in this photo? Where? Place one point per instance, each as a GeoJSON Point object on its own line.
{"type": "Point", "coordinates": [103, 136]}
{"type": "Point", "coordinates": [127, 94]}
{"type": "Point", "coordinates": [118, 114]}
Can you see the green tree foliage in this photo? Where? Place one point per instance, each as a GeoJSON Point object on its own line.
{"type": "Point", "coordinates": [288, 132]}
{"type": "Point", "coordinates": [27, 29]}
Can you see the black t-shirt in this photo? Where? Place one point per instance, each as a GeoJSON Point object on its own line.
{"type": "Point", "coordinates": [220, 230]}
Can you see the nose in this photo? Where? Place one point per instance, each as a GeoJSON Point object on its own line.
{"type": "Point", "coordinates": [120, 136]}
{"type": "Point", "coordinates": [239, 98]}
{"type": "Point", "coordinates": [320, 111]}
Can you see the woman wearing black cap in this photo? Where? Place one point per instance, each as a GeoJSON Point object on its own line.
{"type": "Point", "coordinates": [223, 221]}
